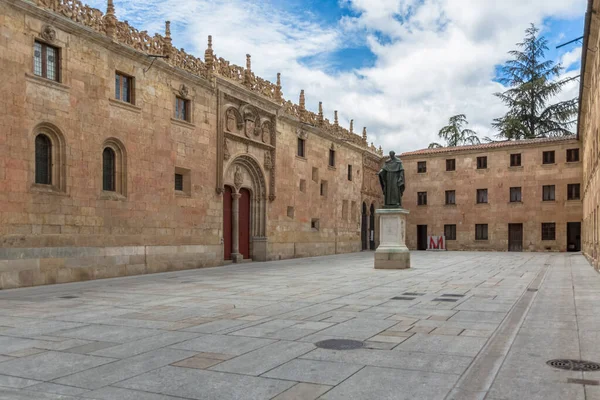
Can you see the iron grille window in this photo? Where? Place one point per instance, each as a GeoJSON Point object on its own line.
{"type": "Point", "coordinates": [451, 165]}
{"type": "Point", "coordinates": [124, 88]}
{"type": "Point", "coordinates": [482, 162]}
{"type": "Point", "coordinates": [548, 231]}
{"type": "Point", "coordinates": [515, 194]}
{"type": "Point", "coordinates": [573, 191]}
{"type": "Point", "coordinates": [45, 61]}
{"type": "Point", "coordinates": [482, 196]}
{"type": "Point", "coordinates": [182, 109]}
{"type": "Point", "coordinates": [422, 167]}
{"type": "Point", "coordinates": [515, 160]}
{"type": "Point", "coordinates": [331, 158]}
{"type": "Point", "coordinates": [481, 232]}
{"type": "Point", "coordinates": [301, 147]}
{"type": "Point", "coordinates": [179, 182]}
{"type": "Point", "coordinates": [450, 232]}
{"type": "Point", "coordinates": [548, 193]}
{"type": "Point", "coordinates": [108, 169]}
{"type": "Point", "coordinates": [43, 160]}
{"type": "Point", "coordinates": [450, 197]}
{"type": "Point", "coordinates": [548, 157]}
{"type": "Point", "coordinates": [572, 155]}
{"type": "Point", "coordinates": [422, 198]}
{"type": "Point", "coordinates": [349, 172]}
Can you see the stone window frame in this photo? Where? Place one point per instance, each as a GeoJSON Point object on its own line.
{"type": "Point", "coordinates": [183, 94]}
{"type": "Point", "coordinates": [450, 164]}
{"type": "Point", "coordinates": [323, 188]}
{"type": "Point", "coordinates": [549, 193]}
{"type": "Point", "coordinates": [58, 164]}
{"type": "Point", "coordinates": [130, 87]}
{"type": "Point", "coordinates": [301, 148]}
{"type": "Point", "coordinates": [44, 44]}
{"type": "Point", "coordinates": [421, 198]}
{"type": "Point", "coordinates": [548, 231]}
{"type": "Point", "coordinates": [315, 224]}
{"type": "Point", "coordinates": [421, 167]}
{"type": "Point", "coordinates": [515, 160]}
{"type": "Point", "coordinates": [331, 163]}
{"type": "Point", "coordinates": [481, 232]}
{"type": "Point", "coordinates": [518, 194]}
{"type": "Point", "coordinates": [482, 196]}
{"type": "Point", "coordinates": [120, 170]}
{"type": "Point", "coordinates": [549, 157]}
{"type": "Point", "coordinates": [450, 228]}
{"type": "Point", "coordinates": [302, 185]}
{"type": "Point", "coordinates": [573, 191]}
{"type": "Point", "coordinates": [450, 195]}
{"type": "Point", "coordinates": [482, 162]}
{"type": "Point", "coordinates": [572, 155]}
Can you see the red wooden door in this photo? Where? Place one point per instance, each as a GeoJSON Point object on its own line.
{"type": "Point", "coordinates": [245, 223]}
{"type": "Point", "coordinates": [227, 223]}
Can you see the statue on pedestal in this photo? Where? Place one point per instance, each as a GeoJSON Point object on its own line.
{"type": "Point", "coordinates": [391, 178]}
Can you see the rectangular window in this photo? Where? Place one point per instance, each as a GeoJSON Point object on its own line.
{"type": "Point", "coordinates": [481, 232]}
{"type": "Point", "coordinates": [314, 224]}
{"type": "Point", "coordinates": [515, 194]}
{"type": "Point", "coordinates": [482, 196]}
{"type": "Point", "coordinates": [45, 61]}
{"type": "Point", "coordinates": [482, 162]}
{"type": "Point", "coordinates": [548, 231]}
{"type": "Point", "coordinates": [450, 232]}
{"type": "Point", "coordinates": [345, 210]}
{"type": "Point", "coordinates": [572, 155]}
{"type": "Point", "coordinates": [323, 190]}
{"type": "Point", "coordinates": [182, 109]}
{"type": "Point", "coordinates": [301, 143]}
{"type": "Point", "coordinates": [548, 193]}
{"type": "Point", "coordinates": [515, 160]}
{"type": "Point", "coordinates": [573, 191]}
{"type": "Point", "coordinates": [422, 167]}
{"type": "Point", "coordinates": [179, 182]}
{"type": "Point", "coordinates": [349, 172]}
{"type": "Point", "coordinates": [450, 197]}
{"type": "Point", "coordinates": [451, 165]}
{"type": "Point", "coordinates": [331, 158]}
{"type": "Point", "coordinates": [422, 198]}
{"type": "Point", "coordinates": [548, 157]}
{"type": "Point", "coordinates": [124, 88]}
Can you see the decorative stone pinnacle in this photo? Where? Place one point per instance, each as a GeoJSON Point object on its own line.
{"type": "Point", "coordinates": [248, 63]}
{"type": "Point", "coordinates": [209, 55]}
{"type": "Point", "coordinates": [335, 118]}
{"type": "Point", "coordinates": [364, 136]}
{"type": "Point", "coordinates": [110, 8]}
{"type": "Point", "coordinates": [210, 42]}
{"type": "Point", "coordinates": [248, 71]}
{"type": "Point", "coordinates": [278, 94]}
{"type": "Point", "coordinates": [351, 126]}
{"type": "Point", "coordinates": [168, 29]}
{"type": "Point", "coordinates": [111, 20]}
{"type": "Point", "coordinates": [320, 117]}
{"type": "Point", "coordinates": [302, 101]}
{"type": "Point", "coordinates": [168, 42]}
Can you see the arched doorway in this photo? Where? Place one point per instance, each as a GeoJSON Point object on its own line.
{"type": "Point", "coordinates": [364, 228]}
{"type": "Point", "coordinates": [372, 227]}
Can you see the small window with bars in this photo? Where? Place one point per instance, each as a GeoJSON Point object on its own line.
{"type": "Point", "coordinates": [124, 88]}
{"type": "Point", "coordinates": [301, 148]}
{"type": "Point", "coordinates": [450, 232]}
{"type": "Point", "coordinates": [548, 157]}
{"type": "Point", "coordinates": [182, 109]}
{"type": "Point", "coordinates": [46, 61]}
{"type": "Point", "coordinates": [43, 160]}
{"type": "Point", "coordinates": [331, 158]}
{"type": "Point", "coordinates": [548, 231]}
{"type": "Point", "coordinates": [572, 155]}
{"type": "Point", "coordinates": [573, 191]}
{"type": "Point", "coordinates": [482, 196]}
{"type": "Point", "coordinates": [548, 193]}
{"type": "Point", "coordinates": [422, 167]}
{"type": "Point", "coordinates": [179, 182]}
{"type": "Point", "coordinates": [515, 194]}
{"type": "Point", "coordinates": [108, 169]}
{"type": "Point", "coordinates": [451, 165]}
{"type": "Point", "coordinates": [515, 160]}
{"type": "Point", "coordinates": [450, 197]}
{"type": "Point", "coordinates": [482, 162]}
{"type": "Point", "coordinates": [481, 232]}
{"type": "Point", "coordinates": [422, 198]}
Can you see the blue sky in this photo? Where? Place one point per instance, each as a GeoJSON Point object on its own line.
{"type": "Point", "coordinates": [399, 67]}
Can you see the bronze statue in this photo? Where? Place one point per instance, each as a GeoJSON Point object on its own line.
{"type": "Point", "coordinates": [391, 178]}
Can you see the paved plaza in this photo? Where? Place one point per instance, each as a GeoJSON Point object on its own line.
{"type": "Point", "coordinates": [457, 325]}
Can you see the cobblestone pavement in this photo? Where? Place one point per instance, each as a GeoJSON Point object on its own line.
{"type": "Point", "coordinates": [457, 325]}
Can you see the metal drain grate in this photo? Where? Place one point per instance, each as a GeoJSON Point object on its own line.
{"type": "Point", "coordinates": [413, 294]}
{"type": "Point", "coordinates": [453, 295]}
{"type": "Point", "coordinates": [445, 299]}
{"type": "Point", "coordinates": [575, 365]}
{"type": "Point", "coordinates": [583, 381]}
{"type": "Point", "coordinates": [69, 297]}
{"type": "Point", "coordinates": [340, 344]}
{"type": "Point", "coordinates": [532, 290]}
{"type": "Point", "coordinates": [402, 298]}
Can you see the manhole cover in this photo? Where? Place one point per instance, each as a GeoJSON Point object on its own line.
{"type": "Point", "coordinates": [575, 365]}
{"type": "Point", "coordinates": [340, 344]}
{"type": "Point", "coordinates": [69, 297]}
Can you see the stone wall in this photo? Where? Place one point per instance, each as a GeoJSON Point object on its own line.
{"type": "Point", "coordinates": [497, 178]}
{"type": "Point", "coordinates": [588, 131]}
{"type": "Point", "coordinates": [73, 230]}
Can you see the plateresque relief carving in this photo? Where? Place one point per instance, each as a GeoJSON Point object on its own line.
{"type": "Point", "coordinates": [48, 33]}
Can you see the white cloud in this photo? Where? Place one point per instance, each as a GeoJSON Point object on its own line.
{"type": "Point", "coordinates": [434, 58]}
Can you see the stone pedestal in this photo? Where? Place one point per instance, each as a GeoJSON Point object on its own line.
{"type": "Point", "coordinates": [392, 252]}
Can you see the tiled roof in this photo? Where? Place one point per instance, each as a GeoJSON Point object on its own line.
{"type": "Point", "coordinates": [492, 145]}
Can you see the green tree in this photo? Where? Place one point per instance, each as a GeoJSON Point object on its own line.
{"type": "Point", "coordinates": [532, 84]}
{"type": "Point", "coordinates": [454, 134]}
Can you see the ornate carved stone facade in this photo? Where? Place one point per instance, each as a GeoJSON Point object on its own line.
{"type": "Point", "coordinates": [164, 171]}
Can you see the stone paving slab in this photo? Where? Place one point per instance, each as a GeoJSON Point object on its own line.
{"type": "Point", "coordinates": [249, 331]}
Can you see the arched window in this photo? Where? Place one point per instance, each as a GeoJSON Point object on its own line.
{"type": "Point", "coordinates": [43, 160]}
{"type": "Point", "coordinates": [108, 169]}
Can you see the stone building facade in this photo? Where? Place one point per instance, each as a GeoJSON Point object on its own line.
{"type": "Point", "coordinates": [588, 133]}
{"type": "Point", "coordinates": [122, 155]}
{"type": "Point", "coordinates": [514, 195]}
